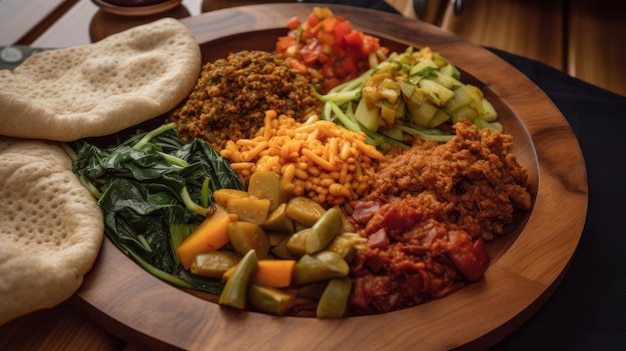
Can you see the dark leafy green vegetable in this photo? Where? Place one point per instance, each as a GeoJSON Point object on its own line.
{"type": "Point", "coordinates": [154, 189]}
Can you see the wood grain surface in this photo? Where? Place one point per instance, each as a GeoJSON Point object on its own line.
{"type": "Point", "coordinates": [527, 263]}
{"type": "Point", "coordinates": [531, 28]}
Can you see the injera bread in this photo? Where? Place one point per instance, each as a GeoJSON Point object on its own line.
{"type": "Point", "coordinates": [51, 227]}
{"type": "Point", "coordinates": [100, 88]}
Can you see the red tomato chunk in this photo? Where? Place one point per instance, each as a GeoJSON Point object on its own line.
{"type": "Point", "coordinates": [327, 48]}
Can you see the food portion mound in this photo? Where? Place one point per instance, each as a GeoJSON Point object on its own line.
{"type": "Point", "coordinates": [430, 212]}
{"type": "Point", "coordinates": [472, 181]}
{"type": "Point", "coordinates": [232, 94]}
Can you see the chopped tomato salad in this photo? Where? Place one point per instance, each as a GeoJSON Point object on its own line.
{"type": "Point", "coordinates": [327, 48]}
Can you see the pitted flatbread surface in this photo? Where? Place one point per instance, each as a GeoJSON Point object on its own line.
{"type": "Point", "coordinates": [51, 227]}
{"type": "Point", "coordinates": [100, 88]}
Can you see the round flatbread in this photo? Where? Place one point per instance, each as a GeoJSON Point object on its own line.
{"type": "Point", "coordinates": [100, 88]}
{"type": "Point", "coordinates": [51, 227]}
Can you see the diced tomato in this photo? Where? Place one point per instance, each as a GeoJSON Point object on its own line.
{"type": "Point", "coordinates": [327, 45]}
{"type": "Point", "coordinates": [284, 42]}
{"type": "Point", "coordinates": [312, 21]}
{"type": "Point", "coordinates": [354, 39]}
{"type": "Point", "coordinates": [328, 25]}
{"type": "Point", "coordinates": [293, 23]}
{"type": "Point", "coordinates": [326, 37]}
{"type": "Point", "coordinates": [297, 66]}
{"type": "Point", "coordinates": [327, 70]}
{"type": "Point", "coordinates": [346, 67]}
{"type": "Point", "coordinates": [369, 44]}
{"type": "Point", "coordinates": [314, 31]}
{"type": "Point", "coordinates": [330, 82]}
{"type": "Point", "coordinates": [341, 30]}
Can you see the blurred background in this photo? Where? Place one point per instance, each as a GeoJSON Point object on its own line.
{"type": "Point", "coordinates": [584, 38]}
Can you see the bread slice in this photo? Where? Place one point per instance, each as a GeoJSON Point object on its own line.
{"type": "Point", "coordinates": [51, 227]}
{"type": "Point", "coordinates": [100, 88]}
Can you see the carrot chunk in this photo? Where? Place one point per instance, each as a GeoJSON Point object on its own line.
{"type": "Point", "coordinates": [210, 235]}
{"type": "Point", "coordinates": [275, 273]}
{"type": "Point", "coordinates": [272, 273]}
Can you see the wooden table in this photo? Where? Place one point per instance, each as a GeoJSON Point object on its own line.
{"type": "Point", "coordinates": [62, 327]}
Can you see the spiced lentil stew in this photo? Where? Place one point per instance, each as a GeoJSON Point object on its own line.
{"type": "Point", "coordinates": [232, 94]}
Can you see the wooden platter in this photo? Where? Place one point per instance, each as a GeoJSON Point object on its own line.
{"type": "Point", "coordinates": [527, 263]}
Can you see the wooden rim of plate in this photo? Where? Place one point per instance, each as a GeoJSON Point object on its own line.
{"type": "Point", "coordinates": [147, 312]}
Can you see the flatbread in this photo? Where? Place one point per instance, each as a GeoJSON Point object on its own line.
{"type": "Point", "coordinates": [51, 227]}
{"type": "Point", "coordinates": [100, 88]}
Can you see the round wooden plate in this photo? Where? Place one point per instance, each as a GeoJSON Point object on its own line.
{"type": "Point", "coordinates": [527, 263]}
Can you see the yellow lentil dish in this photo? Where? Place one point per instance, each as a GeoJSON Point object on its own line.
{"type": "Point", "coordinates": [323, 161]}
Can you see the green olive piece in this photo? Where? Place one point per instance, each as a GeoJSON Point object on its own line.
{"type": "Point", "coordinates": [269, 300]}
{"type": "Point", "coordinates": [304, 210]}
{"type": "Point", "coordinates": [281, 251]}
{"type": "Point", "coordinates": [334, 300]}
{"type": "Point", "coordinates": [320, 266]}
{"type": "Point", "coordinates": [275, 238]}
{"type": "Point", "coordinates": [297, 243]}
{"type": "Point", "coordinates": [246, 236]}
{"type": "Point", "coordinates": [278, 221]}
{"type": "Point", "coordinates": [324, 231]}
{"type": "Point", "coordinates": [213, 264]}
{"type": "Point", "coordinates": [267, 185]}
{"type": "Point", "coordinates": [236, 288]}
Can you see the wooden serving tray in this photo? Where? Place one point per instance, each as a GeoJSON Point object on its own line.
{"type": "Point", "coordinates": [527, 263]}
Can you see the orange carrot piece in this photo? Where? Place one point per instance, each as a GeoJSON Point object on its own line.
{"type": "Point", "coordinates": [210, 235]}
{"type": "Point", "coordinates": [272, 273]}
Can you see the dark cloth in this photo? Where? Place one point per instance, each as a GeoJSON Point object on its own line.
{"type": "Point", "coordinates": [587, 311]}
{"type": "Point", "coordinates": [371, 4]}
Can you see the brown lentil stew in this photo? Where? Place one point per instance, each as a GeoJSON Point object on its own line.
{"type": "Point", "coordinates": [431, 210]}
{"type": "Point", "coordinates": [474, 180]}
{"type": "Point", "coordinates": [232, 94]}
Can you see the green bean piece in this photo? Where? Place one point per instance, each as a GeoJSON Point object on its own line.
{"type": "Point", "coordinates": [278, 221]}
{"type": "Point", "coordinates": [267, 185]}
{"type": "Point", "coordinates": [269, 300]}
{"type": "Point", "coordinates": [320, 266]}
{"type": "Point", "coordinates": [246, 236]}
{"type": "Point", "coordinates": [304, 210]}
{"type": "Point", "coordinates": [324, 230]}
{"type": "Point", "coordinates": [334, 300]}
{"type": "Point", "coordinates": [281, 251]}
{"type": "Point", "coordinates": [236, 288]}
{"type": "Point", "coordinates": [297, 243]}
